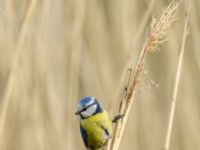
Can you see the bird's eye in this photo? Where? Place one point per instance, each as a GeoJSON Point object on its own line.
{"type": "Point", "coordinates": [84, 109]}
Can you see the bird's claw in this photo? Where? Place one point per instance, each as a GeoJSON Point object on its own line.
{"type": "Point", "coordinates": [117, 117]}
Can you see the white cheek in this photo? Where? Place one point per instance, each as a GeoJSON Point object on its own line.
{"type": "Point", "coordinates": [90, 111]}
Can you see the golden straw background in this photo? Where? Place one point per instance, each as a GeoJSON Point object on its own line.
{"type": "Point", "coordinates": [54, 52]}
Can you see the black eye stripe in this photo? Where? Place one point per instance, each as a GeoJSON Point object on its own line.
{"type": "Point", "coordinates": [85, 108]}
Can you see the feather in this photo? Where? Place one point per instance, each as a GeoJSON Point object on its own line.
{"type": "Point", "coordinates": [84, 135]}
{"type": "Point", "coordinates": [106, 131]}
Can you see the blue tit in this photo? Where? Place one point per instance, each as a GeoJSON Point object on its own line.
{"type": "Point", "coordinates": [95, 124]}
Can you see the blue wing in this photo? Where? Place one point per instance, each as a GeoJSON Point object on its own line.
{"type": "Point", "coordinates": [84, 135]}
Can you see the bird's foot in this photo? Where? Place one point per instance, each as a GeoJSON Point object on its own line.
{"type": "Point", "coordinates": [117, 117]}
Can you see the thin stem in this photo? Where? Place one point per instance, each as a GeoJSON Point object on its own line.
{"type": "Point", "coordinates": [176, 84]}
{"type": "Point", "coordinates": [125, 109]}
{"type": "Point", "coordinates": [12, 75]}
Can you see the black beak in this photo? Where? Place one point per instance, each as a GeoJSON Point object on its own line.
{"type": "Point", "coordinates": [78, 112]}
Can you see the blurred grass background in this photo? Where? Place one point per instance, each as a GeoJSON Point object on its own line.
{"type": "Point", "coordinates": [65, 49]}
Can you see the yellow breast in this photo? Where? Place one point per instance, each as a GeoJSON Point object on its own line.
{"type": "Point", "coordinates": [99, 129]}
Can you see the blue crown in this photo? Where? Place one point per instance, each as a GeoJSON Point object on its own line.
{"type": "Point", "coordinates": [87, 100]}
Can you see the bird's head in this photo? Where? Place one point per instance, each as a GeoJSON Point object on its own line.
{"type": "Point", "coordinates": [88, 106]}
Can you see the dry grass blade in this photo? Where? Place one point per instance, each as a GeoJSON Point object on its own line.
{"type": "Point", "coordinates": [176, 84]}
{"type": "Point", "coordinates": [11, 77]}
{"type": "Point", "coordinates": [155, 36]}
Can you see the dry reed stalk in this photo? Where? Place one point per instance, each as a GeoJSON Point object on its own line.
{"type": "Point", "coordinates": [12, 74]}
{"type": "Point", "coordinates": [176, 84]}
{"type": "Point", "coordinates": [156, 35]}
{"type": "Point", "coordinates": [75, 57]}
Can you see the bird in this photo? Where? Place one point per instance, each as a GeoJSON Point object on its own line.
{"type": "Point", "coordinates": [95, 123]}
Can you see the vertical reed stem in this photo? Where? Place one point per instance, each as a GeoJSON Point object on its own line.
{"type": "Point", "coordinates": [12, 74]}
{"type": "Point", "coordinates": [176, 84]}
{"type": "Point", "coordinates": [155, 37]}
